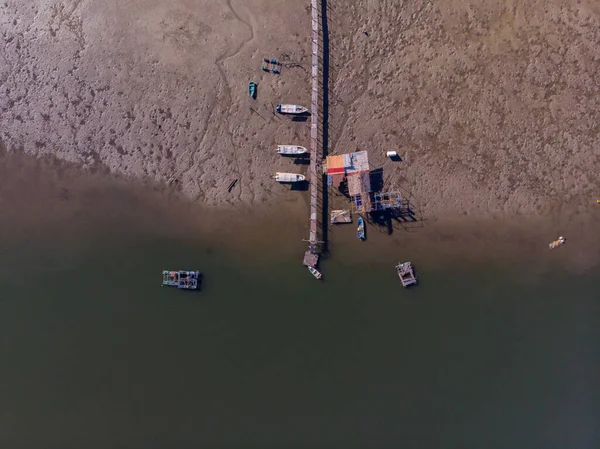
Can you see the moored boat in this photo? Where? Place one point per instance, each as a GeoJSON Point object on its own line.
{"type": "Point", "coordinates": [183, 279]}
{"type": "Point", "coordinates": [315, 272]}
{"type": "Point", "coordinates": [361, 228]}
{"type": "Point", "coordinates": [291, 150]}
{"type": "Point", "coordinates": [291, 109]}
{"type": "Point", "coordinates": [289, 177]}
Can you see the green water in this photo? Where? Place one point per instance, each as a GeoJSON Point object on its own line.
{"type": "Point", "coordinates": [95, 354]}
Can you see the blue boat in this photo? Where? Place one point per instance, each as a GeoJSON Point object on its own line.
{"type": "Point", "coordinates": [361, 229]}
{"type": "Point", "coordinates": [187, 280]}
{"type": "Point", "coordinates": [252, 90]}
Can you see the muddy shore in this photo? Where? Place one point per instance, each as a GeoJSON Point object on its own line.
{"type": "Point", "coordinates": [492, 106]}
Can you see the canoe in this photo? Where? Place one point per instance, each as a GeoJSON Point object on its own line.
{"type": "Point", "coordinates": [252, 89]}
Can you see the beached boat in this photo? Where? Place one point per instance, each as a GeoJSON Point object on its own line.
{"type": "Point", "coordinates": [293, 150]}
{"type": "Point", "coordinates": [289, 177]}
{"type": "Point", "coordinates": [187, 280]}
{"type": "Point", "coordinates": [232, 185]}
{"type": "Point", "coordinates": [291, 109]}
{"type": "Point", "coordinates": [315, 272]}
{"type": "Point", "coordinates": [252, 89]}
{"type": "Point", "coordinates": [556, 243]}
{"type": "Point", "coordinates": [406, 274]}
{"type": "Point", "coordinates": [361, 228]}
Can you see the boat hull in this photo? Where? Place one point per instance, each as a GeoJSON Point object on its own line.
{"type": "Point", "coordinates": [292, 109]}
{"type": "Point", "coordinates": [289, 177]}
{"type": "Point", "coordinates": [291, 150]}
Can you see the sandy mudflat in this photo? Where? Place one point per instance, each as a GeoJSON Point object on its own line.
{"type": "Point", "coordinates": [493, 105]}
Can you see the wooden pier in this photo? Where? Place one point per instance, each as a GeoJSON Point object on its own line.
{"type": "Point", "coordinates": [315, 159]}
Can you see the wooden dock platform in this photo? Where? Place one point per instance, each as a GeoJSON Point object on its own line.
{"type": "Point", "coordinates": [406, 274]}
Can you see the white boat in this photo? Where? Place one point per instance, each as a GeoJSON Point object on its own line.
{"type": "Point", "coordinates": [315, 272]}
{"type": "Point", "coordinates": [291, 149]}
{"type": "Point", "coordinates": [291, 109]}
{"type": "Point", "coordinates": [289, 177]}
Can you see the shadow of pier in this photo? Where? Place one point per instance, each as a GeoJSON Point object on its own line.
{"type": "Point", "coordinates": [324, 121]}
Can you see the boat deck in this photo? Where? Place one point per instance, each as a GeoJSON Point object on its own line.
{"type": "Point", "coordinates": [187, 280]}
{"type": "Point", "coordinates": [406, 274]}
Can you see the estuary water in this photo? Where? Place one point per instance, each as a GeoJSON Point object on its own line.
{"type": "Point", "coordinates": [94, 353]}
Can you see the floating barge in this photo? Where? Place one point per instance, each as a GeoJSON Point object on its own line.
{"type": "Point", "coordinates": [186, 280]}
{"type": "Point", "coordinates": [406, 274]}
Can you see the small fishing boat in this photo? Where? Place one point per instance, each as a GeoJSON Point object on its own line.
{"type": "Point", "coordinates": [252, 90]}
{"type": "Point", "coordinates": [406, 274]}
{"type": "Point", "coordinates": [289, 177]}
{"type": "Point", "coordinates": [187, 280]}
{"type": "Point", "coordinates": [291, 109]}
{"type": "Point", "coordinates": [293, 150]}
{"type": "Point", "coordinates": [361, 228]}
{"type": "Point", "coordinates": [315, 272]}
{"type": "Point", "coordinates": [556, 243]}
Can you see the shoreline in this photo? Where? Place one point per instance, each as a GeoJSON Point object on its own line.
{"type": "Point", "coordinates": [74, 204]}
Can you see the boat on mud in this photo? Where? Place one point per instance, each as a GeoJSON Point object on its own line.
{"type": "Point", "coordinates": [292, 150]}
{"type": "Point", "coordinates": [361, 228]}
{"type": "Point", "coordinates": [252, 90]}
{"type": "Point", "coordinates": [291, 109]}
{"type": "Point", "coordinates": [183, 279]}
{"type": "Point", "coordinates": [315, 272]}
{"type": "Point", "coordinates": [289, 177]}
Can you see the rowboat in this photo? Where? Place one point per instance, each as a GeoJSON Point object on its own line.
{"type": "Point", "coordinates": [187, 280]}
{"type": "Point", "coordinates": [361, 228]}
{"type": "Point", "coordinates": [289, 177]}
{"type": "Point", "coordinates": [293, 150]}
{"type": "Point", "coordinates": [291, 109]}
{"type": "Point", "coordinates": [315, 272]}
{"type": "Point", "coordinates": [252, 89]}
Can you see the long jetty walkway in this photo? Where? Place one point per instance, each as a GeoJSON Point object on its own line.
{"type": "Point", "coordinates": [311, 256]}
